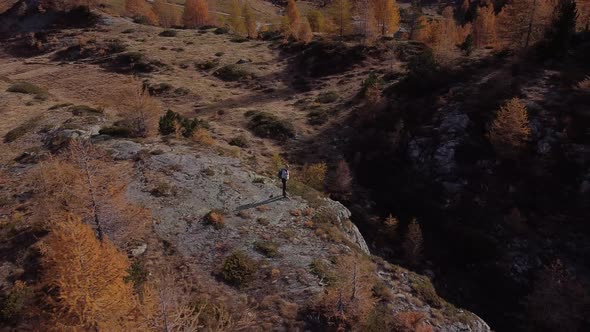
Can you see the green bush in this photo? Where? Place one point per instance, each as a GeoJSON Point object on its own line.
{"type": "Point", "coordinates": [31, 89]}
{"type": "Point", "coordinates": [85, 110]}
{"type": "Point", "coordinates": [322, 270]}
{"type": "Point", "coordinates": [168, 121]}
{"type": "Point", "coordinates": [238, 269]}
{"type": "Point", "coordinates": [137, 274]}
{"type": "Point", "coordinates": [168, 33]}
{"type": "Point", "coordinates": [21, 130]}
{"type": "Point", "coordinates": [267, 125]}
{"type": "Point", "coordinates": [327, 97]}
{"type": "Point", "coordinates": [13, 303]}
{"type": "Point", "coordinates": [239, 141]}
{"type": "Point", "coordinates": [231, 73]}
{"type": "Point", "coordinates": [267, 248]}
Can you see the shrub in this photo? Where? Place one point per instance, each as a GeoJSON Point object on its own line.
{"type": "Point", "coordinates": [322, 270]}
{"type": "Point", "coordinates": [138, 275]}
{"type": "Point", "coordinates": [13, 303]}
{"type": "Point", "coordinates": [267, 248]}
{"type": "Point", "coordinates": [269, 126]}
{"type": "Point", "coordinates": [239, 141]}
{"type": "Point", "coordinates": [371, 83]}
{"type": "Point", "coordinates": [116, 131]}
{"type": "Point", "coordinates": [327, 97]}
{"type": "Point", "coordinates": [314, 175]}
{"type": "Point", "coordinates": [221, 31]}
{"type": "Point", "coordinates": [382, 291]}
{"type": "Point", "coordinates": [425, 290]}
{"type": "Point", "coordinates": [207, 64]}
{"type": "Point", "coordinates": [172, 122]}
{"type": "Point", "coordinates": [85, 110]}
{"type": "Point", "coordinates": [238, 269]}
{"type": "Point", "coordinates": [202, 136]}
{"type": "Point", "coordinates": [215, 218]}
{"type": "Point", "coordinates": [115, 46]}
{"type": "Point", "coordinates": [168, 33]}
{"type": "Point", "coordinates": [28, 88]}
{"type": "Point", "coordinates": [317, 118]}
{"type": "Point", "coordinates": [232, 72]}
{"type": "Point", "coordinates": [158, 89]}
{"type": "Point", "coordinates": [21, 130]}
{"type": "Point", "coordinates": [182, 91]}
{"type": "Point", "coordinates": [239, 39]}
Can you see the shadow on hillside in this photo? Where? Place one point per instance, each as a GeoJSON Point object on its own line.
{"type": "Point", "coordinates": [254, 205]}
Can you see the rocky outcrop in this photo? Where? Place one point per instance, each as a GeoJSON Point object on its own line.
{"type": "Point", "coordinates": [182, 186]}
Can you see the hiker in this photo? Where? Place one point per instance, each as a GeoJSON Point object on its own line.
{"type": "Point", "coordinates": [284, 176]}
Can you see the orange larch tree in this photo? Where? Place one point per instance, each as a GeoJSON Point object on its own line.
{"type": "Point", "coordinates": [195, 14]}
{"type": "Point", "coordinates": [387, 15]}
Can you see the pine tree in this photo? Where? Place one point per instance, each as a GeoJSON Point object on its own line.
{"type": "Point", "coordinates": [195, 14]}
{"type": "Point", "coordinates": [369, 28]}
{"type": "Point", "coordinates": [387, 15]}
{"type": "Point", "coordinates": [235, 18]}
{"type": "Point", "coordinates": [447, 36]}
{"type": "Point", "coordinates": [561, 32]}
{"type": "Point", "coordinates": [250, 21]}
{"type": "Point", "coordinates": [293, 19]}
{"type": "Point", "coordinates": [342, 180]}
{"type": "Point", "coordinates": [583, 21]}
{"type": "Point", "coordinates": [340, 12]}
{"type": "Point", "coordinates": [305, 34]}
{"type": "Point", "coordinates": [166, 13]}
{"type": "Point", "coordinates": [510, 130]}
{"type": "Point", "coordinates": [413, 242]}
{"type": "Point", "coordinates": [484, 27]}
{"type": "Point", "coordinates": [141, 110]}
{"type": "Point", "coordinates": [139, 9]}
{"type": "Point", "coordinates": [86, 279]}
{"type": "Point", "coordinates": [316, 20]}
{"type": "Point", "coordinates": [522, 23]}
{"type": "Point", "coordinates": [423, 30]}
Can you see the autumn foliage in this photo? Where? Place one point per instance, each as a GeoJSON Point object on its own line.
{"type": "Point", "coordinates": [85, 279]}
{"type": "Point", "coordinates": [195, 14]}
{"type": "Point", "coordinates": [510, 130]}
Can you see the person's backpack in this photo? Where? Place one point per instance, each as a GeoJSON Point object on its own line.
{"type": "Point", "coordinates": [283, 174]}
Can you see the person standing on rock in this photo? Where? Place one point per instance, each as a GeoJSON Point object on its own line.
{"type": "Point", "coordinates": [284, 176]}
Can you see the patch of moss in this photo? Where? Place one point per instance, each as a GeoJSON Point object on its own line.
{"type": "Point", "coordinates": [29, 88]}
{"type": "Point", "coordinates": [21, 130]}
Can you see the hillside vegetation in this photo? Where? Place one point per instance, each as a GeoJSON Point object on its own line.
{"type": "Point", "coordinates": [439, 157]}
